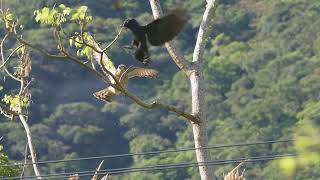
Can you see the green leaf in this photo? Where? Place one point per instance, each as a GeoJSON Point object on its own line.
{"type": "Point", "coordinates": [80, 14]}
{"type": "Point", "coordinates": [66, 11]}
{"type": "Point", "coordinates": [288, 165]}
{"type": "Point", "coordinates": [70, 42]}
{"type": "Point", "coordinates": [62, 6]}
{"type": "Point", "coordinates": [9, 17]}
{"type": "Point", "coordinates": [110, 63]}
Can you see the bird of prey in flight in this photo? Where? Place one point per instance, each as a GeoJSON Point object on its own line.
{"type": "Point", "coordinates": [123, 74]}
{"type": "Point", "coordinates": [156, 32]}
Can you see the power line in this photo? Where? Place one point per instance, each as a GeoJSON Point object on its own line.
{"type": "Point", "coordinates": [150, 152]}
{"type": "Point", "coordinates": [185, 165]}
{"type": "Point", "coordinates": [159, 167]}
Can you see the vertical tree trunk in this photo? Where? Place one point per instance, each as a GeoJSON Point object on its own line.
{"type": "Point", "coordinates": [197, 85]}
{"type": "Point", "coordinates": [198, 97]}
{"type": "Point", "coordinates": [200, 130]}
{"type": "Point", "coordinates": [31, 148]}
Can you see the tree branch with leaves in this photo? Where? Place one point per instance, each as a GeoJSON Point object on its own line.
{"type": "Point", "coordinates": [86, 46]}
{"type": "Point", "coordinates": [16, 105]}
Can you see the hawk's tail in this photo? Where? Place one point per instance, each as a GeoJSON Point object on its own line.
{"type": "Point", "coordinates": [104, 95]}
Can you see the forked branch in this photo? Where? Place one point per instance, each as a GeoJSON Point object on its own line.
{"type": "Point", "coordinates": [117, 85]}
{"type": "Point", "coordinates": [19, 109]}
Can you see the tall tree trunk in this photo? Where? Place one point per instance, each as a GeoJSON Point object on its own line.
{"type": "Point", "coordinates": [200, 130]}
{"type": "Point", "coordinates": [198, 97]}
{"type": "Point", "coordinates": [195, 74]}
{"type": "Point", "coordinates": [31, 148]}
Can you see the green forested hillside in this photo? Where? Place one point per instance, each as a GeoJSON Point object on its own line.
{"type": "Point", "coordinates": [262, 76]}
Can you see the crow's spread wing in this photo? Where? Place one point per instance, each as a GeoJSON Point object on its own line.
{"type": "Point", "coordinates": [166, 28]}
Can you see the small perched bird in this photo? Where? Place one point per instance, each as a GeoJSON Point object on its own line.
{"type": "Point", "coordinates": [123, 74]}
{"type": "Point", "coordinates": [157, 32]}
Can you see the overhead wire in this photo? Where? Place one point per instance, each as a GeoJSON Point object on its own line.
{"type": "Point", "coordinates": [158, 167]}
{"type": "Point", "coordinates": [150, 152]}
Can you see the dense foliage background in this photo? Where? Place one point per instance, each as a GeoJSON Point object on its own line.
{"type": "Point", "coordinates": [262, 77]}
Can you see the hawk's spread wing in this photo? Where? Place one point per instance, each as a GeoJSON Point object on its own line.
{"type": "Point", "coordinates": [142, 72]}
{"type": "Point", "coordinates": [166, 28]}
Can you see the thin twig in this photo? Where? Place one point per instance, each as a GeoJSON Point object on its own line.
{"type": "Point", "coordinates": [234, 174]}
{"type": "Point", "coordinates": [11, 54]}
{"type": "Point", "coordinates": [96, 176]}
{"type": "Point", "coordinates": [105, 177]}
{"type": "Point", "coordinates": [22, 41]}
{"type": "Point", "coordinates": [61, 46]}
{"type": "Point", "coordinates": [114, 40]}
{"type": "Point", "coordinates": [237, 167]}
{"type": "Point", "coordinates": [85, 44]}
{"type": "Point", "coordinates": [125, 72]}
{"type": "Point", "coordinates": [66, 56]}
{"type": "Point", "coordinates": [3, 61]}
{"type": "Point", "coordinates": [25, 161]}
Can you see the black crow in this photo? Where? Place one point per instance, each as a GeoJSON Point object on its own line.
{"type": "Point", "coordinates": [157, 32]}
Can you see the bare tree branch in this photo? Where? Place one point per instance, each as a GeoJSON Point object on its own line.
{"type": "Point", "coordinates": [114, 40]}
{"type": "Point", "coordinates": [198, 93]}
{"type": "Point", "coordinates": [96, 176]}
{"type": "Point", "coordinates": [22, 117]}
{"type": "Point", "coordinates": [234, 174]}
{"type": "Point", "coordinates": [195, 74]}
{"type": "Point", "coordinates": [204, 27]}
{"type": "Point", "coordinates": [117, 85]}
{"type": "Point", "coordinates": [3, 59]}
{"type": "Point", "coordinates": [105, 177]}
{"type": "Point", "coordinates": [11, 54]}
{"type": "Point", "coordinates": [25, 161]}
{"type": "Point", "coordinates": [62, 57]}
{"type": "Point", "coordinates": [31, 148]}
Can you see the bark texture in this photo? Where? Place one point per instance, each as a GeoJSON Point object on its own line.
{"type": "Point", "coordinates": [31, 148]}
{"type": "Point", "coordinates": [195, 74]}
{"type": "Point", "coordinates": [198, 96]}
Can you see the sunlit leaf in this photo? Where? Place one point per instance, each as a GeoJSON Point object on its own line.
{"type": "Point", "coordinates": [62, 6]}
{"type": "Point", "coordinates": [9, 17]}
{"type": "Point", "coordinates": [288, 165]}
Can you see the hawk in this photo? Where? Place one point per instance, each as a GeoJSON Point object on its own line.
{"type": "Point", "coordinates": [157, 32]}
{"type": "Point", "coordinates": [123, 74]}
